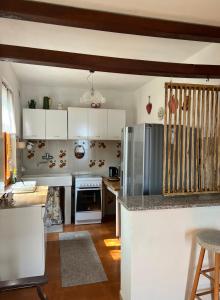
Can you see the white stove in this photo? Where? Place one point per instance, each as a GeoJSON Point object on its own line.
{"type": "Point", "coordinates": [88, 199]}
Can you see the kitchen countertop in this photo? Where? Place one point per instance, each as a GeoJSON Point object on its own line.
{"type": "Point", "coordinates": [114, 185]}
{"type": "Point", "coordinates": [37, 198]}
{"type": "Point", "coordinates": [153, 202]}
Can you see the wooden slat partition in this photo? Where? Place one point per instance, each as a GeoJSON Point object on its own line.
{"type": "Point", "coordinates": [191, 159]}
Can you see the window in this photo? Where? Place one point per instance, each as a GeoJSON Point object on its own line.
{"type": "Point", "coordinates": [9, 133]}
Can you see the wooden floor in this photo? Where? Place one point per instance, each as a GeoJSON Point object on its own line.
{"type": "Point", "coordinates": [102, 291]}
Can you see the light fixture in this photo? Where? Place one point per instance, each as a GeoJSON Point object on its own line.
{"type": "Point", "coordinates": [92, 96]}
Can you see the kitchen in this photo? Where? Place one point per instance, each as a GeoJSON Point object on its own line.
{"type": "Point", "coordinates": [75, 147]}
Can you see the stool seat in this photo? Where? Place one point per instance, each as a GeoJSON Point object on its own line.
{"type": "Point", "coordinates": [209, 239]}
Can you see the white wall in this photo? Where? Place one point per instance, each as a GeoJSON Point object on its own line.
{"type": "Point", "coordinates": [159, 252]}
{"type": "Point", "coordinates": [8, 76]}
{"type": "Point", "coordinates": [155, 88]}
{"type": "Point", "coordinates": [71, 97]}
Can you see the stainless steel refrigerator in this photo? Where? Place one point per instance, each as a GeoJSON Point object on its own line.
{"type": "Point", "coordinates": [142, 160]}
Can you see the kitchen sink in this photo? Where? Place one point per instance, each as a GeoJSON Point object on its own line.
{"type": "Point", "coordinates": [56, 179]}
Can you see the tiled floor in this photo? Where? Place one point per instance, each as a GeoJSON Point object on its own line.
{"type": "Point", "coordinates": [110, 257]}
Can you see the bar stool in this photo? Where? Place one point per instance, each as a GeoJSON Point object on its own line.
{"type": "Point", "coordinates": [208, 240]}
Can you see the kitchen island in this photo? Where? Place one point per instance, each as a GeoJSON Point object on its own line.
{"type": "Point", "coordinates": [22, 235]}
{"type": "Point", "coordinates": [158, 247]}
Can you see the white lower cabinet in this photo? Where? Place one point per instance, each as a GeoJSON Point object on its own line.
{"type": "Point", "coordinates": [98, 124]}
{"type": "Point", "coordinates": [22, 246]}
{"type": "Point", "coordinates": [56, 125]}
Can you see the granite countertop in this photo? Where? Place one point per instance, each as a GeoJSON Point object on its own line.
{"type": "Point", "coordinates": [153, 202]}
{"type": "Point", "coordinates": [114, 185]}
{"type": "Point", "coordinates": [37, 198]}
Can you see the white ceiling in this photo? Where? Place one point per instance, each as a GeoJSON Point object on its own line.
{"type": "Point", "coordinates": [95, 42]}
{"type": "Point", "coordinates": [195, 11]}
{"type": "Point", "coordinates": [77, 40]}
{"type": "Point", "coordinates": [51, 76]}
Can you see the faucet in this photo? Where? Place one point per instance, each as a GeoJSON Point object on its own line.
{"type": "Point", "coordinates": [46, 158]}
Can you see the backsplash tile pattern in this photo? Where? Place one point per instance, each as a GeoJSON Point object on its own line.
{"type": "Point", "coordinates": [99, 155]}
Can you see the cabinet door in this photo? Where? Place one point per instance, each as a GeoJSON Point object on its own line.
{"type": "Point", "coordinates": [116, 121]}
{"type": "Point", "coordinates": [77, 123]}
{"type": "Point", "coordinates": [98, 124]}
{"type": "Point", "coordinates": [34, 124]}
{"type": "Point", "coordinates": [56, 124]}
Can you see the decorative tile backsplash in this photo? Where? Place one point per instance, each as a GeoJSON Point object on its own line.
{"type": "Point", "coordinates": [81, 156]}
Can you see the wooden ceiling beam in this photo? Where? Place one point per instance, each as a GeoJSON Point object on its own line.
{"type": "Point", "coordinates": [53, 58]}
{"type": "Point", "coordinates": [106, 21]}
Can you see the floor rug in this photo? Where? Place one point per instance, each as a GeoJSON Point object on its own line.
{"type": "Point", "coordinates": [80, 263]}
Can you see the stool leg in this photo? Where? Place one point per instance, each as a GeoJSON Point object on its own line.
{"type": "Point", "coordinates": [216, 282]}
{"type": "Point", "coordinates": [197, 275]}
{"type": "Point", "coordinates": [40, 293]}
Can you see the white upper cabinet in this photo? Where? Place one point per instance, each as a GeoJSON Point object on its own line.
{"type": "Point", "coordinates": [56, 124]}
{"type": "Point", "coordinates": [116, 121]}
{"type": "Point", "coordinates": [34, 121]}
{"type": "Point", "coordinates": [77, 123]}
{"type": "Point", "coordinates": [98, 124]}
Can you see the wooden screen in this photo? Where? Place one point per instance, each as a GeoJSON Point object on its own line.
{"type": "Point", "coordinates": [191, 158]}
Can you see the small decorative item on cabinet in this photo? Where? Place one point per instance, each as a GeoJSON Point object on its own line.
{"type": "Point", "coordinates": [92, 163]}
{"type": "Point", "coordinates": [46, 102]}
{"type": "Point", "coordinates": [95, 105]}
{"type": "Point", "coordinates": [60, 106]}
{"type": "Point", "coordinates": [101, 163]}
{"type": "Point", "coordinates": [149, 106]}
{"type": "Point", "coordinates": [32, 104]}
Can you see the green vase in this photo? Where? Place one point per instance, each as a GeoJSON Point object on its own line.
{"type": "Point", "coordinates": [46, 103]}
{"type": "Point", "coordinates": [32, 104]}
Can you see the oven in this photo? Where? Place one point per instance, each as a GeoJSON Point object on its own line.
{"type": "Point", "coordinates": [88, 200]}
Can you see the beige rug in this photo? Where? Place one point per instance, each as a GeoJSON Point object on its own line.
{"type": "Point", "coordinates": [80, 263]}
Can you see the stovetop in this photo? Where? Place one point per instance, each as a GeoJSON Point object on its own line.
{"type": "Point", "coordinates": [88, 180]}
{"type": "Point", "coordinates": [81, 176]}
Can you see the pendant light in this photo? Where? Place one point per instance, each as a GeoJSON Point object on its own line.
{"type": "Point", "coordinates": [92, 96]}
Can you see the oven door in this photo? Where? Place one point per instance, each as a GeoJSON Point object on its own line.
{"type": "Point", "coordinates": [88, 199]}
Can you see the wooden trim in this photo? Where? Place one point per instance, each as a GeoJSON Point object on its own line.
{"type": "Point", "coordinates": [165, 142]}
{"type": "Point", "coordinates": [192, 86]}
{"type": "Point", "coordinates": [106, 21]}
{"type": "Point", "coordinates": [105, 64]}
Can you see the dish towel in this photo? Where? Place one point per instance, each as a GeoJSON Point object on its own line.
{"type": "Point", "coordinates": [53, 215]}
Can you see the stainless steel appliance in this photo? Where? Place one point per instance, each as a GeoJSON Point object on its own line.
{"type": "Point", "coordinates": [88, 199]}
{"type": "Point", "coordinates": [113, 172]}
{"type": "Point", "coordinates": [142, 160]}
